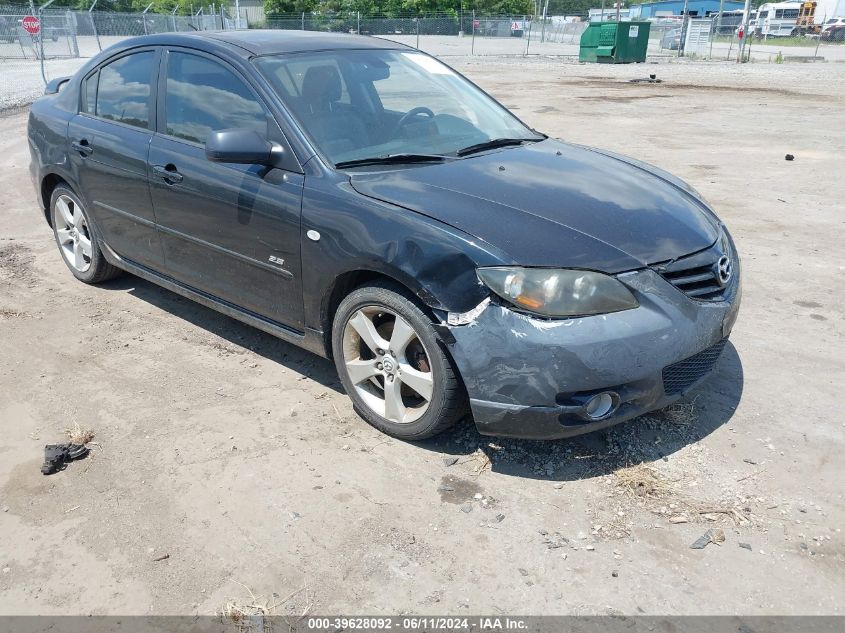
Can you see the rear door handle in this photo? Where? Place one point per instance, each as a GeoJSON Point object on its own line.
{"type": "Point", "coordinates": [82, 147]}
{"type": "Point", "coordinates": [168, 173]}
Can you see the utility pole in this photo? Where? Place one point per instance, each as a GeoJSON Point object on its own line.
{"type": "Point", "coordinates": [618, 9]}
{"type": "Point", "coordinates": [682, 41]}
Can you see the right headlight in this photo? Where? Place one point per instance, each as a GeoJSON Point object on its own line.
{"type": "Point", "coordinates": [553, 292]}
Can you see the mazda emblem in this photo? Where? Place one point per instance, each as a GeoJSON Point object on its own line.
{"type": "Point", "coordinates": [723, 270]}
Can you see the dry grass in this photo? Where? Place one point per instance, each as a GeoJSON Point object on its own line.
{"type": "Point", "coordinates": [648, 484]}
{"type": "Point", "coordinates": [682, 413]}
{"type": "Point", "coordinates": [248, 617]}
{"type": "Point", "coordinates": [79, 435]}
{"type": "Point", "coordinates": [643, 481]}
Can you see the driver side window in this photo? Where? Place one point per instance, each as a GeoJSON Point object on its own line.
{"type": "Point", "coordinates": [401, 93]}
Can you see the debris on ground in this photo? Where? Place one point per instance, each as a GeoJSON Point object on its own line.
{"type": "Point", "coordinates": [79, 435]}
{"type": "Point", "coordinates": [745, 546]}
{"type": "Point", "coordinates": [651, 79]}
{"type": "Point", "coordinates": [249, 617]}
{"type": "Point", "coordinates": [450, 461]}
{"type": "Point", "coordinates": [57, 456]}
{"type": "Point", "coordinates": [642, 481]}
{"type": "Point", "coordinates": [161, 558]}
{"type": "Point", "coordinates": [678, 519]}
{"type": "Point", "coordinates": [715, 535]}
{"type": "Point", "coordinates": [555, 540]}
{"type": "Point", "coordinates": [789, 157]}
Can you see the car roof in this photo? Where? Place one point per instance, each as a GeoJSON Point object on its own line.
{"type": "Point", "coordinates": [266, 42]}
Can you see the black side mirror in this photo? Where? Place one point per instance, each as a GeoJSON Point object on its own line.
{"type": "Point", "coordinates": [240, 145]}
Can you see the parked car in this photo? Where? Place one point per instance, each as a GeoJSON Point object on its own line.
{"type": "Point", "coordinates": [834, 33]}
{"type": "Point", "coordinates": [832, 23]}
{"type": "Point", "coordinates": [363, 200]}
{"type": "Point", "coordinates": [671, 39]}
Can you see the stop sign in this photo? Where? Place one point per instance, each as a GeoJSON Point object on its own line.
{"type": "Point", "coordinates": [31, 25]}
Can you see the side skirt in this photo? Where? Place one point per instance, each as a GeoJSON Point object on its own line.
{"type": "Point", "coordinates": [310, 340]}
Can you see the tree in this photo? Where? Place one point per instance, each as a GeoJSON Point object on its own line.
{"type": "Point", "coordinates": [504, 7]}
{"type": "Point", "coordinates": [288, 6]}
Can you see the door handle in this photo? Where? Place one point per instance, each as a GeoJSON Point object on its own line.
{"type": "Point", "coordinates": [82, 147]}
{"type": "Point", "coordinates": [168, 173]}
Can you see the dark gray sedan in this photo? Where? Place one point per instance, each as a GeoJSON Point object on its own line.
{"type": "Point", "coordinates": [361, 199]}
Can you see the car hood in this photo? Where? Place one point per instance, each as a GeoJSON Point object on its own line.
{"type": "Point", "coordinates": [555, 204]}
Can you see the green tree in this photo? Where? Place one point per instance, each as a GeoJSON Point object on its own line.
{"type": "Point", "coordinates": [503, 7]}
{"type": "Point", "coordinates": [289, 6]}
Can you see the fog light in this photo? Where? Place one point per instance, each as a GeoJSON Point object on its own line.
{"type": "Point", "coordinates": [600, 405]}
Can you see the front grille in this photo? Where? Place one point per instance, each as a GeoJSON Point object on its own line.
{"type": "Point", "coordinates": [697, 275]}
{"type": "Point", "coordinates": [683, 374]}
{"type": "Point", "coordinates": [699, 282]}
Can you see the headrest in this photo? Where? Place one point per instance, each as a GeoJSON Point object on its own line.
{"type": "Point", "coordinates": [321, 84]}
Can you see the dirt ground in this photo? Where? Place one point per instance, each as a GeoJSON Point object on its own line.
{"type": "Point", "coordinates": [239, 456]}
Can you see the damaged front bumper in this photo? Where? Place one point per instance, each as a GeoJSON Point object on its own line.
{"type": "Point", "coordinates": [531, 378]}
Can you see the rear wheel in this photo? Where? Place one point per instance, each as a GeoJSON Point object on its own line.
{"type": "Point", "coordinates": [77, 239]}
{"type": "Point", "coordinates": [393, 366]}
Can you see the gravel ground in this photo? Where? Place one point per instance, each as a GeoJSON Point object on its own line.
{"type": "Point", "coordinates": [239, 457]}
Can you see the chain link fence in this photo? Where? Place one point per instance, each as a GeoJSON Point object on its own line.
{"type": "Point", "coordinates": [717, 38]}
{"type": "Point", "coordinates": [67, 39]}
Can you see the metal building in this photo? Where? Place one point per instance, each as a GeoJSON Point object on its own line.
{"type": "Point", "coordinates": [695, 8]}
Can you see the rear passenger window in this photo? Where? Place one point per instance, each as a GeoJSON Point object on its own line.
{"type": "Point", "coordinates": [204, 96]}
{"type": "Point", "coordinates": [123, 93]}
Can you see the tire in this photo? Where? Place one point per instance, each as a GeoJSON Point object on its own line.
{"type": "Point", "coordinates": [403, 411]}
{"type": "Point", "coordinates": [73, 229]}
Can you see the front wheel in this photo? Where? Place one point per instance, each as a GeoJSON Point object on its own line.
{"type": "Point", "coordinates": [393, 366]}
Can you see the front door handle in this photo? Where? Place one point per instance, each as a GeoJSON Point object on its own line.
{"type": "Point", "coordinates": [83, 147]}
{"type": "Point", "coordinates": [168, 173]}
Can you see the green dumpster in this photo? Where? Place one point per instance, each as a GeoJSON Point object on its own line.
{"type": "Point", "coordinates": [614, 43]}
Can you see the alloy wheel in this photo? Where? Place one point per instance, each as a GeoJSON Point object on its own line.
{"type": "Point", "coordinates": [73, 233]}
{"type": "Point", "coordinates": [388, 364]}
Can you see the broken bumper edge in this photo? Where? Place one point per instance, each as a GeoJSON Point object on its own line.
{"type": "Point", "coordinates": [529, 378]}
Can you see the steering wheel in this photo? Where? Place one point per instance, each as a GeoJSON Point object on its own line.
{"type": "Point", "coordinates": [410, 114]}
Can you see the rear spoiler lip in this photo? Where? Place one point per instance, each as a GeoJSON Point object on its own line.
{"type": "Point", "coordinates": [54, 85]}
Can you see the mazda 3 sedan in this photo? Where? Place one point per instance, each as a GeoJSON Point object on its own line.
{"type": "Point", "coordinates": [363, 200]}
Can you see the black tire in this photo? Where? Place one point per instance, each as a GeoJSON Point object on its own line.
{"type": "Point", "coordinates": [448, 402]}
{"type": "Point", "coordinates": [98, 269]}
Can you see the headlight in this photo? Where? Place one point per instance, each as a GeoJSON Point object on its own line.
{"type": "Point", "coordinates": [556, 292]}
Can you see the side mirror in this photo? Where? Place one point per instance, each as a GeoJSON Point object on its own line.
{"type": "Point", "coordinates": [240, 145]}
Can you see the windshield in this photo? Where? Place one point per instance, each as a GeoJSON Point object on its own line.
{"type": "Point", "coordinates": [360, 104]}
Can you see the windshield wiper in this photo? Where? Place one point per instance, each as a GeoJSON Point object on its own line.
{"type": "Point", "coordinates": [493, 143]}
{"type": "Point", "coordinates": [394, 159]}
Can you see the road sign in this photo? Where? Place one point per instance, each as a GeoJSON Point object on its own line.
{"type": "Point", "coordinates": [31, 25]}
